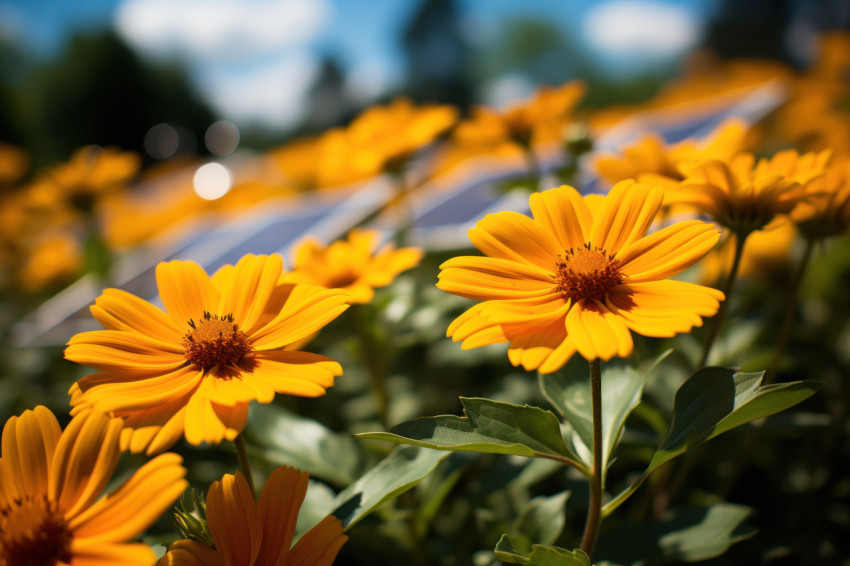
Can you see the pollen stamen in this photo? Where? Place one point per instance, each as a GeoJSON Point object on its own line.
{"type": "Point", "coordinates": [34, 532]}
{"type": "Point", "coordinates": [587, 272]}
{"type": "Point", "coordinates": [214, 341]}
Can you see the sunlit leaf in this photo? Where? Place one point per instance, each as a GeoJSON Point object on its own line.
{"type": "Point", "coordinates": [488, 426]}
{"type": "Point", "coordinates": [713, 401]}
{"type": "Point", "coordinates": [288, 439]}
{"type": "Point", "coordinates": [542, 520]}
{"type": "Point", "coordinates": [403, 468]}
{"type": "Point", "coordinates": [540, 555]}
{"type": "Point", "coordinates": [569, 393]}
{"type": "Point", "coordinates": [690, 534]}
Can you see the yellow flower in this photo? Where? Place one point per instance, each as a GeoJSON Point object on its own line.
{"type": "Point", "coordinates": [353, 265]}
{"type": "Point", "coordinates": [826, 210]}
{"type": "Point", "coordinates": [14, 163]}
{"type": "Point", "coordinates": [766, 255]}
{"type": "Point", "coordinates": [92, 172]}
{"type": "Point", "coordinates": [53, 258]}
{"type": "Point", "coordinates": [379, 140]}
{"type": "Point", "coordinates": [249, 534]}
{"type": "Point", "coordinates": [539, 120]}
{"type": "Point", "coordinates": [195, 368]}
{"type": "Point", "coordinates": [649, 160]}
{"type": "Point", "coordinates": [578, 276]}
{"type": "Point", "coordinates": [50, 482]}
{"type": "Point", "coordinates": [744, 196]}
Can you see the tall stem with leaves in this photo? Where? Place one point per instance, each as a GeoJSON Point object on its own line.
{"type": "Point", "coordinates": [740, 240]}
{"type": "Point", "coordinates": [373, 358]}
{"type": "Point", "coordinates": [594, 511]}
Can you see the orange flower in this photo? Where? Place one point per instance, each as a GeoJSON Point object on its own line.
{"type": "Point", "coordinates": [50, 482]}
{"type": "Point", "coordinates": [744, 196]}
{"type": "Point", "coordinates": [578, 276]}
{"type": "Point", "coordinates": [826, 210]}
{"type": "Point", "coordinates": [379, 140]}
{"type": "Point", "coordinates": [248, 534]}
{"type": "Point", "coordinates": [194, 369]}
{"type": "Point", "coordinates": [649, 160]}
{"type": "Point", "coordinates": [92, 172]}
{"type": "Point", "coordinates": [353, 265]}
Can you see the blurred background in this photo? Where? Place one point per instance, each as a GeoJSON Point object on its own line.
{"type": "Point", "coordinates": [153, 75]}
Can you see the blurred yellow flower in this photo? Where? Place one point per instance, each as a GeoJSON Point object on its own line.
{"type": "Point", "coordinates": [246, 533]}
{"type": "Point", "coordinates": [650, 160]}
{"type": "Point", "coordinates": [92, 172]}
{"type": "Point", "coordinates": [826, 210]}
{"type": "Point", "coordinates": [379, 140]}
{"type": "Point", "coordinates": [539, 120]}
{"type": "Point", "coordinates": [355, 265]}
{"type": "Point", "coordinates": [194, 369]}
{"type": "Point", "coordinates": [744, 196]}
{"type": "Point", "coordinates": [50, 482]}
{"type": "Point", "coordinates": [578, 276]}
{"type": "Point", "coordinates": [52, 258]}
{"type": "Point", "coordinates": [14, 163]}
{"type": "Point", "coordinates": [767, 253]}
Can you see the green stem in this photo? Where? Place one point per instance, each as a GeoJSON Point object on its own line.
{"type": "Point", "coordinates": [740, 240]}
{"type": "Point", "coordinates": [790, 311]}
{"type": "Point", "coordinates": [372, 357]}
{"type": "Point", "coordinates": [594, 515]}
{"type": "Point", "coordinates": [533, 163]}
{"type": "Point", "coordinates": [244, 463]}
{"type": "Point", "coordinates": [405, 209]}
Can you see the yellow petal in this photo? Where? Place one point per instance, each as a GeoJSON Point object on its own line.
{"type": "Point", "coordinates": [514, 236]}
{"type": "Point", "coordinates": [563, 212]}
{"type": "Point", "coordinates": [233, 519]}
{"type": "Point", "coordinates": [119, 310]}
{"type": "Point", "coordinates": [250, 288]}
{"type": "Point", "coordinates": [320, 545]}
{"type": "Point", "coordinates": [625, 215]}
{"type": "Point", "coordinates": [668, 251]}
{"type": "Point", "coordinates": [280, 502]}
{"type": "Point", "coordinates": [186, 291]}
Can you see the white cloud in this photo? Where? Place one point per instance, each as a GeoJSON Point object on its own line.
{"type": "Point", "coordinates": [272, 94]}
{"type": "Point", "coordinates": [641, 28]}
{"type": "Point", "coordinates": [208, 29]}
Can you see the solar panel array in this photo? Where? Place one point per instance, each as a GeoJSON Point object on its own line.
{"type": "Point", "coordinates": [441, 215]}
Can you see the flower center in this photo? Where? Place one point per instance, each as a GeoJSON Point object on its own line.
{"type": "Point", "coordinates": [34, 533]}
{"type": "Point", "coordinates": [587, 273]}
{"type": "Point", "coordinates": [215, 341]}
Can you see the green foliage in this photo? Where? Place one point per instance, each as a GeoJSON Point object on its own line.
{"type": "Point", "coordinates": [403, 468]}
{"type": "Point", "coordinates": [539, 555]}
{"type": "Point", "coordinates": [691, 534]}
{"type": "Point", "coordinates": [711, 402]}
{"type": "Point", "coordinates": [489, 427]}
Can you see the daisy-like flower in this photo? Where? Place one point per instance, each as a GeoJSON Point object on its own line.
{"type": "Point", "coordinates": [578, 276]}
{"type": "Point", "coordinates": [249, 534]}
{"type": "Point", "coordinates": [826, 210]}
{"type": "Point", "coordinates": [354, 265]}
{"type": "Point", "coordinates": [194, 369]}
{"type": "Point", "coordinates": [650, 160]}
{"type": "Point", "coordinates": [50, 482]}
{"type": "Point", "coordinates": [744, 196]}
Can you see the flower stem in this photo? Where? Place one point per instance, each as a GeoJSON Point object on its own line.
{"type": "Point", "coordinates": [740, 240]}
{"type": "Point", "coordinates": [244, 463]}
{"type": "Point", "coordinates": [790, 311]}
{"type": "Point", "coordinates": [372, 357]}
{"type": "Point", "coordinates": [594, 515]}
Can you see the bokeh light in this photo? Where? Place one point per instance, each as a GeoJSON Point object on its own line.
{"type": "Point", "coordinates": [212, 181]}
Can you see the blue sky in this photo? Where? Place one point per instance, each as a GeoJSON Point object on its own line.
{"type": "Point", "coordinates": [254, 59]}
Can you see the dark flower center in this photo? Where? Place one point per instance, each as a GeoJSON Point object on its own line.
{"type": "Point", "coordinates": [34, 533]}
{"type": "Point", "coordinates": [215, 341]}
{"type": "Point", "coordinates": [587, 273]}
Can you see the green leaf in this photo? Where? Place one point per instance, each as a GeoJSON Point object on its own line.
{"type": "Point", "coordinates": [540, 555]}
{"type": "Point", "coordinates": [289, 439]}
{"type": "Point", "coordinates": [691, 534]}
{"type": "Point", "coordinates": [542, 520]}
{"type": "Point", "coordinates": [713, 401]}
{"type": "Point", "coordinates": [569, 393]}
{"type": "Point", "coordinates": [403, 468]}
{"type": "Point", "coordinates": [490, 427]}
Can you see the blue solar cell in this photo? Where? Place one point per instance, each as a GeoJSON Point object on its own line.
{"type": "Point", "coordinates": [271, 239]}
{"type": "Point", "coordinates": [462, 206]}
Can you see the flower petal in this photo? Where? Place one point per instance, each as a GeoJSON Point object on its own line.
{"type": "Point", "coordinates": [320, 545]}
{"type": "Point", "coordinates": [625, 215]}
{"type": "Point", "coordinates": [280, 502]}
{"type": "Point", "coordinates": [190, 553]}
{"type": "Point", "coordinates": [186, 291]}
{"type": "Point", "coordinates": [486, 278]}
{"type": "Point", "coordinates": [119, 310]}
{"type": "Point", "coordinates": [250, 288]}
{"type": "Point", "coordinates": [234, 523]}
{"type": "Point", "coordinates": [668, 251]}
{"type": "Point", "coordinates": [514, 236]}
{"type": "Point", "coordinates": [597, 332]}
{"type": "Point", "coordinates": [564, 214]}
{"type": "Point", "coordinates": [663, 308]}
